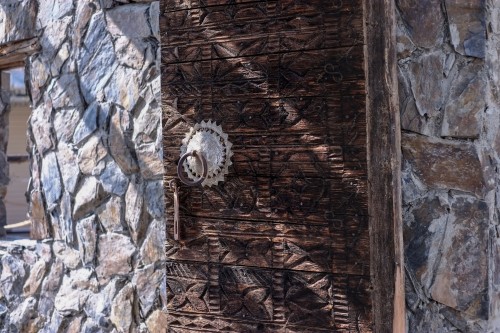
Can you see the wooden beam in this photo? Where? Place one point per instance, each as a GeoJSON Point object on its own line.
{"type": "Point", "coordinates": [14, 54]}
{"type": "Point", "coordinates": [18, 225]}
{"type": "Point", "coordinates": [384, 167]}
{"type": "Point", "coordinates": [18, 158]}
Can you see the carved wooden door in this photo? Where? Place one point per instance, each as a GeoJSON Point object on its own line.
{"type": "Point", "coordinates": [282, 244]}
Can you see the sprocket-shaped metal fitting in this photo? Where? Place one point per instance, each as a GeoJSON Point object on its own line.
{"type": "Point", "coordinates": [209, 139]}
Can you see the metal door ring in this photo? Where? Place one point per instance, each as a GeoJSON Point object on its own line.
{"type": "Point", "coordinates": [207, 137]}
{"type": "Point", "coordinates": [204, 166]}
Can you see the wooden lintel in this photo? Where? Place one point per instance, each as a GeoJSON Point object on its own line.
{"type": "Point", "coordinates": [18, 158]}
{"type": "Point", "coordinates": [14, 54]}
{"type": "Point", "coordinates": [384, 167]}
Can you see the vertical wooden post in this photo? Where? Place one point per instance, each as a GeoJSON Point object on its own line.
{"type": "Point", "coordinates": [384, 167]}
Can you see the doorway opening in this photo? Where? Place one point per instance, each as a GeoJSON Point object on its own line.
{"type": "Point", "coordinates": [16, 125]}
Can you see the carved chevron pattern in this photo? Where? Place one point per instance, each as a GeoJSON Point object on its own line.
{"type": "Point", "coordinates": [282, 244]}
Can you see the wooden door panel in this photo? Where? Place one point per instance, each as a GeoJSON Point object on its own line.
{"type": "Point", "coordinates": [246, 293]}
{"type": "Point", "coordinates": [307, 299]}
{"type": "Point", "coordinates": [283, 163]}
{"type": "Point", "coordinates": [240, 43]}
{"type": "Point", "coordinates": [283, 116]}
{"type": "Point", "coordinates": [282, 244]}
{"type": "Point", "coordinates": [187, 287]}
{"type": "Point", "coordinates": [339, 247]}
{"type": "Point", "coordinates": [290, 200]}
{"type": "Point", "coordinates": [290, 74]}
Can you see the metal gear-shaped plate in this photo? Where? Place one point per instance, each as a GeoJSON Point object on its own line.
{"type": "Point", "coordinates": [209, 139]}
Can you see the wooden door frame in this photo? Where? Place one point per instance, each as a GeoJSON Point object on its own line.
{"type": "Point", "coordinates": [14, 54]}
{"type": "Point", "coordinates": [384, 167]}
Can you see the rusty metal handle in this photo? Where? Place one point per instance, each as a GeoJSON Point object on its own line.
{"type": "Point", "coordinates": [204, 166]}
{"type": "Point", "coordinates": [174, 186]}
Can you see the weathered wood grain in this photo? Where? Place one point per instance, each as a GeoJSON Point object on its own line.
{"type": "Point", "coordinates": [14, 54]}
{"type": "Point", "coordinates": [384, 167]}
{"type": "Point", "coordinates": [283, 244]}
{"type": "Point", "coordinates": [339, 247]}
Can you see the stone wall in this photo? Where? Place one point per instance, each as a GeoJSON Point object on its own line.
{"type": "Point", "coordinates": [448, 76]}
{"type": "Point", "coordinates": [96, 190]}
{"type": "Point", "coordinates": [17, 20]}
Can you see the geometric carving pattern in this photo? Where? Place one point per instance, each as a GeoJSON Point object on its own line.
{"type": "Point", "coordinates": [307, 299]}
{"type": "Point", "coordinates": [187, 287]}
{"type": "Point", "coordinates": [246, 293]}
{"type": "Point", "coordinates": [282, 244]}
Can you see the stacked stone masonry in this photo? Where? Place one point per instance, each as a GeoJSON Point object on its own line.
{"type": "Point", "coordinates": [96, 191]}
{"type": "Point", "coordinates": [96, 188]}
{"type": "Point", "coordinates": [449, 87]}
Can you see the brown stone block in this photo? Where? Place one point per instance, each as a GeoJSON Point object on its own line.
{"type": "Point", "coordinates": [157, 322]}
{"type": "Point", "coordinates": [419, 235]}
{"type": "Point", "coordinates": [411, 119]}
{"type": "Point", "coordinates": [424, 21]}
{"type": "Point", "coordinates": [442, 164]}
{"type": "Point", "coordinates": [111, 261]}
{"type": "Point", "coordinates": [466, 103]}
{"type": "Point", "coordinates": [427, 83]}
{"type": "Point", "coordinates": [40, 228]}
{"type": "Point", "coordinates": [461, 279]}
{"type": "Point", "coordinates": [446, 248]}
{"type": "Point", "coordinates": [466, 20]}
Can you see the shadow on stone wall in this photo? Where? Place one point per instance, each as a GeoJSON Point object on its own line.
{"type": "Point", "coordinates": [450, 155]}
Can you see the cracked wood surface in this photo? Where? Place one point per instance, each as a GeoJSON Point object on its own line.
{"type": "Point", "coordinates": [15, 53]}
{"type": "Point", "coordinates": [283, 244]}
